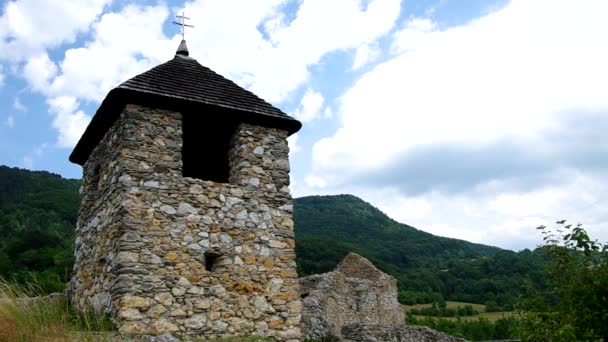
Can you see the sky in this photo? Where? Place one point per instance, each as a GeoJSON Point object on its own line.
{"type": "Point", "coordinates": [478, 120]}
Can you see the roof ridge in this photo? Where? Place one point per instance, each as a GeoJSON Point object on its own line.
{"type": "Point", "coordinates": [181, 83]}
{"type": "Point", "coordinates": [220, 82]}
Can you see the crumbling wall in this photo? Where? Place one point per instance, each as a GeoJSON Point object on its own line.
{"type": "Point", "coordinates": [355, 292]}
{"type": "Point", "coordinates": [358, 303]}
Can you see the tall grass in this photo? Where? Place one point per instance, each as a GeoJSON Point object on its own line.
{"type": "Point", "coordinates": [27, 316]}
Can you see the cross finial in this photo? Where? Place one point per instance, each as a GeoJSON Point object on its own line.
{"type": "Point", "coordinates": [183, 24]}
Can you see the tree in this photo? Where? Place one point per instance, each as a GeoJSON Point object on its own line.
{"type": "Point", "coordinates": [575, 306]}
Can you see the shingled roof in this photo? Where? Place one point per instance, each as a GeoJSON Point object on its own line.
{"type": "Point", "coordinates": [181, 84]}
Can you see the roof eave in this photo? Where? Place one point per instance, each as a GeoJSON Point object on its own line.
{"type": "Point", "coordinates": [117, 98]}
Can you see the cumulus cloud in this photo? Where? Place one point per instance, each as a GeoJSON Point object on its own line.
{"type": "Point", "coordinates": [310, 106]}
{"type": "Point", "coordinates": [292, 140]}
{"type": "Point", "coordinates": [414, 34]}
{"type": "Point", "coordinates": [279, 54]}
{"type": "Point", "coordinates": [257, 46]}
{"type": "Point", "coordinates": [30, 26]}
{"type": "Point", "coordinates": [68, 120]}
{"type": "Point", "coordinates": [39, 70]}
{"type": "Point", "coordinates": [366, 54]}
{"type": "Point", "coordinates": [505, 104]}
{"type": "Point", "coordinates": [474, 85]}
{"type": "Point", "coordinates": [122, 45]}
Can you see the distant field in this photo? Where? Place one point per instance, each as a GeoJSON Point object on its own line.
{"type": "Point", "coordinates": [448, 304]}
{"type": "Point", "coordinates": [491, 316]}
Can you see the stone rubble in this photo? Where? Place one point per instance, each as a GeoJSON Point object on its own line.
{"type": "Point", "coordinates": [374, 332]}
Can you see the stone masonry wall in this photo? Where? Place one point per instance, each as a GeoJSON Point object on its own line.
{"type": "Point", "coordinates": [145, 233]}
{"type": "Point", "coordinates": [355, 292]}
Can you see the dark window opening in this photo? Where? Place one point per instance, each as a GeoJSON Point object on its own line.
{"type": "Point", "coordinates": [210, 260]}
{"type": "Point", "coordinates": [96, 183]}
{"type": "Point", "coordinates": [206, 145]}
{"type": "Point", "coordinates": [304, 295]}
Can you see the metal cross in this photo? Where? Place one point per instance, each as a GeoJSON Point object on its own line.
{"type": "Point", "coordinates": [182, 23]}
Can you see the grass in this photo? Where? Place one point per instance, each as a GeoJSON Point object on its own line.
{"type": "Point", "coordinates": [45, 320]}
{"type": "Point", "coordinates": [448, 304]}
{"type": "Point", "coordinates": [491, 316]}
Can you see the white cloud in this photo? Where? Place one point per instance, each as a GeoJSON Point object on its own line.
{"type": "Point", "coordinates": [123, 44]}
{"type": "Point", "coordinates": [292, 140]}
{"type": "Point", "coordinates": [506, 218]}
{"type": "Point", "coordinates": [476, 84]}
{"type": "Point", "coordinates": [10, 121]}
{"type": "Point", "coordinates": [39, 70]}
{"type": "Point", "coordinates": [315, 182]}
{"type": "Point", "coordinates": [366, 54]}
{"type": "Point", "coordinates": [516, 75]}
{"type": "Point", "coordinates": [415, 34]}
{"type": "Point", "coordinates": [30, 26]}
{"type": "Point", "coordinates": [275, 67]}
{"type": "Point", "coordinates": [1, 76]}
{"type": "Point", "coordinates": [328, 113]}
{"type": "Point", "coordinates": [68, 120]}
{"type": "Point", "coordinates": [310, 106]}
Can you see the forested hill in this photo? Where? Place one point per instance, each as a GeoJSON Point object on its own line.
{"type": "Point", "coordinates": [356, 224]}
{"type": "Point", "coordinates": [38, 215]}
{"type": "Point", "coordinates": [427, 266]}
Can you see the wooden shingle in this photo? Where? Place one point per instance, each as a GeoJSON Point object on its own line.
{"type": "Point", "coordinates": [184, 85]}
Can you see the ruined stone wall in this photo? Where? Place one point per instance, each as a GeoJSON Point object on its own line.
{"type": "Point", "coordinates": [355, 292]}
{"type": "Point", "coordinates": [144, 239]}
{"type": "Point", "coordinates": [358, 303]}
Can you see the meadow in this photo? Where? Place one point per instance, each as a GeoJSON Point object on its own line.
{"type": "Point", "coordinates": [479, 308]}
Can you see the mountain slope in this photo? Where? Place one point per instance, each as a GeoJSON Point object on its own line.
{"type": "Point", "coordinates": [351, 221]}
{"type": "Point", "coordinates": [427, 266]}
{"type": "Point", "coordinates": [37, 218]}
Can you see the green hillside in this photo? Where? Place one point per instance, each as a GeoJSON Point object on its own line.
{"type": "Point", "coordinates": [38, 214]}
{"type": "Point", "coordinates": [427, 266]}
{"type": "Point", "coordinates": [37, 218]}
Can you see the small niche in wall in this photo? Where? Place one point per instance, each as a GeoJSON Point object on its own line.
{"type": "Point", "coordinates": [96, 183]}
{"type": "Point", "coordinates": [206, 145]}
{"type": "Point", "coordinates": [211, 260]}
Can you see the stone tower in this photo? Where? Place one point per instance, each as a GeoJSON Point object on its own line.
{"type": "Point", "coordinates": [185, 223]}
